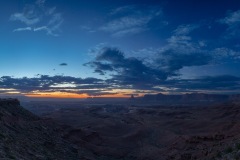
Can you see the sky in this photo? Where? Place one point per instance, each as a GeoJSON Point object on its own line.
{"type": "Point", "coordinates": [88, 48]}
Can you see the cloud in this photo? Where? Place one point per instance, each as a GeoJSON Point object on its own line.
{"type": "Point", "coordinates": [123, 82]}
{"type": "Point", "coordinates": [223, 53]}
{"type": "Point", "coordinates": [56, 21]}
{"type": "Point", "coordinates": [128, 32]}
{"type": "Point", "coordinates": [63, 64]}
{"type": "Point", "coordinates": [185, 29]}
{"type": "Point", "coordinates": [46, 29]}
{"type": "Point", "coordinates": [232, 20]}
{"type": "Point", "coordinates": [173, 58]}
{"type": "Point", "coordinates": [26, 18]}
{"type": "Point", "coordinates": [181, 51]}
{"type": "Point", "coordinates": [45, 83]}
{"type": "Point", "coordinates": [154, 66]}
{"type": "Point", "coordinates": [39, 18]}
{"type": "Point", "coordinates": [87, 28]}
{"type": "Point", "coordinates": [100, 67]}
{"type": "Point", "coordinates": [172, 61]}
{"type": "Point", "coordinates": [118, 84]}
{"type": "Point", "coordinates": [40, 3]}
{"type": "Point", "coordinates": [96, 49]}
{"type": "Point", "coordinates": [123, 9]}
{"type": "Point", "coordinates": [223, 83]}
{"type": "Point", "coordinates": [126, 23]}
{"type": "Point", "coordinates": [129, 20]}
{"type": "Point", "coordinates": [22, 29]}
{"type": "Point", "coordinates": [146, 73]}
{"type": "Point", "coordinates": [126, 71]}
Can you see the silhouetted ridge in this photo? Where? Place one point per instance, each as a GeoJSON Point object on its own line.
{"type": "Point", "coordinates": [9, 101]}
{"type": "Point", "coordinates": [187, 98]}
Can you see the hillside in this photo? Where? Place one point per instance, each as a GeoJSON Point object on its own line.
{"type": "Point", "coordinates": [24, 136]}
{"type": "Point", "coordinates": [111, 132]}
{"type": "Point", "coordinates": [114, 132]}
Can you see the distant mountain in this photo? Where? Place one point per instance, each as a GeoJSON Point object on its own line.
{"type": "Point", "coordinates": [27, 137]}
{"type": "Point", "coordinates": [189, 98]}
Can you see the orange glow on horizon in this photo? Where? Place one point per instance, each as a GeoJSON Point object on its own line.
{"type": "Point", "coordinates": [72, 95]}
{"type": "Point", "coordinates": [56, 95]}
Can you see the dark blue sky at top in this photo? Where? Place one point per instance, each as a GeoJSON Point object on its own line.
{"type": "Point", "coordinates": [145, 46]}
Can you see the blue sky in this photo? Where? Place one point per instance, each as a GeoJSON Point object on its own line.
{"type": "Point", "coordinates": [116, 48]}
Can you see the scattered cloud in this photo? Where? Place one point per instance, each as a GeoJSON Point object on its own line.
{"type": "Point", "coordinates": [96, 87]}
{"type": "Point", "coordinates": [37, 17]}
{"type": "Point", "coordinates": [223, 53]}
{"type": "Point", "coordinates": [45, 83]}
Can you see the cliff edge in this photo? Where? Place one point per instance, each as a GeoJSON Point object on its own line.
{"type": "Point", "coordinates": [25, 136]}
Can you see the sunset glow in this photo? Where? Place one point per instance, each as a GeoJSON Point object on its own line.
{"type": "Point", "coordinates": [80, 49]}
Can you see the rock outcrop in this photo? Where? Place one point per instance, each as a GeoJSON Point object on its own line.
{"type": "Point", "coordinates": [24, 136]}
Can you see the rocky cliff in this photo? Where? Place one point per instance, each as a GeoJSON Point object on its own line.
{"type": "Point", "coordinates": [25, 136]}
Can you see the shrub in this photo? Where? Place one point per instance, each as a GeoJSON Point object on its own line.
{"type": "Point", "coordinates": [229, 150]}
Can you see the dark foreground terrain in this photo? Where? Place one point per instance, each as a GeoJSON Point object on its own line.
{"type": "Point", "coordinates": [24, 136]}
{"type": "Point", "coordinates": [128, 132]}
{"type": "Point", "coordinates": [72, 131]}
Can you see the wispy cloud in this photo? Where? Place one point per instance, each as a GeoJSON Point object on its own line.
{"type": "Point", "coordinates": [46, 29]}
{"type": "Point", "coordinates": [232, 20]}
{"type": "Point", "coordinates": [40, 3]}
{"type": "Point", "coordinates": [26, 18]}
{"type": "Point", "coordinates": [22, 29]}
{"type": "Point", "coordinates": [185, 29]}
{"type": "Point", "coordinates": [129, 31]}
{"type": "Point", "coordinates": [123, 9]}
{"type": "Point", "coordinates": [129, 21]}
{"type": "Point", "coordinates": [37, 17]}
{"type": "Point", "coordinates": [87, 28]}
{"type": "Point", "coordinates": [126, 23]}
